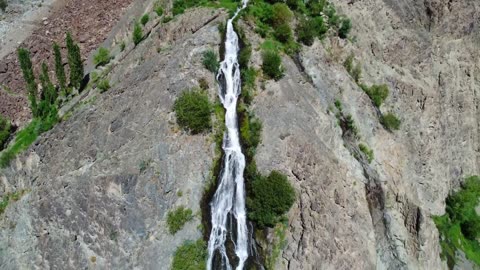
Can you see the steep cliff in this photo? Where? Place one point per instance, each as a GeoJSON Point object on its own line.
{"type": "Point", "coordinates": [100, 184]}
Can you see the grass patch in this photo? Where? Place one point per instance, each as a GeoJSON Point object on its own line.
{"type": "Point", "coordinates": [377, 93]}
{"type": "Point", "coordinates": [27, 136]}
{"type": "Point", "coordinates": [193, 110]}
{"type": "Point", "coordinates": [367, 151]}
{"type": "Point", "coordinates": [10, 197]}
{"type": "Point", "coordinates": [102, 57]}
{"type": "Point", "coordinates": [459, 228]}
{"type": "Point", "coordinates": [5, 129]}
{"type": "Point", "coordinates": [103, 85]}
{"type": "Point", "coordinates": [177, 218]}
{"type": "Point", "coordinates": [190, 256]}
{"type": "Point", "coordinates": [390, 121]}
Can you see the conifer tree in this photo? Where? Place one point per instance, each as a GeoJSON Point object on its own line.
{"type": "Point", "coordinates": [27, 70]}
{"type": "Point", "coordinates": [75, 62]}
{"type": "Point", "coordinates": [59, 70]}
{"type": "Point", "coordinates": [49, 93]}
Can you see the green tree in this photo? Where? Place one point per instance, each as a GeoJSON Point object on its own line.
{"type": "Point", "coordinates": [59, 70]}
{"type": "Point", "coordinates": [281, 14]}
{"type": "Point", "coordinates": [193, 111]}
{"type": "Point", "coordinates": [145, 18]}
{"type": "Point", "coordinates": [306, 31]}
{"type": "Point", "coordinates": [137, 34]}
{"type": "Point", "coordinates": [49, 92]}
{"type": "Point", "coordinates": [27, 70]}
{"type": "Point", "coordinates": [74, 62]}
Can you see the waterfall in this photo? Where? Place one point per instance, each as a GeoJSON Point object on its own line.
{"type": "Point", "coordinates": [228, 203]}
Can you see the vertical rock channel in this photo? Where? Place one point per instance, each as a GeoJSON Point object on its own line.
{"type": "Point", "coordinates": [228, 214]}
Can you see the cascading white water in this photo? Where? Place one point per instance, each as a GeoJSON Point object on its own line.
{"type": "Point", "coordinates": [229, 199]}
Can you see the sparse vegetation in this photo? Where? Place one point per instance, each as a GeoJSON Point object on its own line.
{"type": "Point", "coordinates": [158, 9]}
{"type": "Point", "coordinates": [137, 34]}
{"type": "Point", "coordinates": [348, 64]}
{"type": "Point", "coordinates": [177, 218]}
{"type": "Point", "coordinates": [210, 61]}
{"type": "Point", "coordinates": [460, 227]}
{"type": "Point", "coordinates": [190, 256]}
{"type": "Point", "coordinates": [345, 28]}
{"type": "Point", "coordinates": [103, 85]}
{"type": "Point", "coordinates": [193, 110]}
{"type": "Point", "coordinates": [3, 5]}
{"type": "Point", "coordinates": [203, 84]}
{"type": "Point", "coordinates": [145, 18]}
{"type": "Point", "coordinates": [102, 57]}
{"type": "Point", "coordinates": [390, 121]}
{"type": "Point", "coordinates": [122, 46]}
{"type": "Point", "coordinates": [272, 64]}
{"type": "Point", "coordinates": [10, 197]}
{"type": "Point", "coordinates": [367, 151]}
{"type": "Point", "coordinates": [271, 198]}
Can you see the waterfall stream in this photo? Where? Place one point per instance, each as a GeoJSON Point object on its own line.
{"type": "Point", "coordinates": [228, 215]}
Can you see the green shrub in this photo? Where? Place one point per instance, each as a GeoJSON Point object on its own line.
{"type": "Point", "coordinates": [103, 85]}
{"type": "Point", "coordinates": [295, 4]}
{"type": "Point", "coordinates": [137, 34]}
{"type": "Point", "coordinates": [176, 219]}
{"type": "Point", "coordinates": [166, 19]}
{"type": "Point", "coordinates": [390, 121]}
{"type": "Point", "coordinates": [203, 84]}
{"type": "Point", "coordinates": [250, 133]}
{"type": "Point", "coordinates": [281, 14]}
{"type": "Point", "coordinates": [306, 31]}
{"type": "Point", "coordinates": [145, 18]}
{"type": "Point", "coordinates": [191, 256]}
{"type": "Point", "coordinates": [5, 129]}
{"type": "Point", "coordinates": [338, 105]}
{"type": "Point", "coordinates": [122, 46]}
{"type": "Point", "coordinates": [193, 110]}
{"type": "Point", "coordinates": [459, 228]}
{"type": "Point", "coordinates": [333, 18]}
{"type": "Point", "coordinates": [357, 73]}
{"type": "Point", "coordinates": [102, 57]}
{"type": "Point", "coordinates": [244, 56]}
{"type": "Point", "coordinates": [283, 33]}
{"type": "Point", "coordinates": [179, 6]}
{"type": "Point", "coordinates": [345, 28]}
{"type": "Point", "coordinates": [271, 197]}
{"type": "Point", "coordinates": [3, 5]}
{"type": "Point", "coordinates": [272, 65]}
{"type": "Point", "coordinates": [367, 151]}
{"type": "Point", "coordinates": [28, 75]}
{"type": "Point", "coordinates": [348, 64]}
{"type": "Point", "coordinates": [316, 6]}
{"type": "Point", "coordinates": [377, 93]}
{"type": "Point", "coordinates": [159, 11]}
{"type": "Point", "coordinates": [320, 27]}
{"type": "Point", "coordinates": [210, 61]}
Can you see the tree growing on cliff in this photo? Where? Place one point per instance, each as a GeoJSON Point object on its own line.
{"type": "Point", "coordinates": [49, 93]}
{"type": "Point", "coordinates": [59, 70]}
{"type": "Point", "coordinates": [137, 34]}
{"type": "Point", "coordinates": [27, 70]}
{"type": "Point", "coordinates": [74, 62]}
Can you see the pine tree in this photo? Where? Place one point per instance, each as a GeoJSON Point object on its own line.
{"type": "Point", "coordinates": [59, 70]}
{"type": "Point", "coordinates": [75, 62]}
{"type": "Point", "coordinates": [27, 70]}
{"type": "Point", "coordinates": [49, 93]}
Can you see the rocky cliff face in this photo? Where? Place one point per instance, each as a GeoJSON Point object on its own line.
{"type": "Point", "coordinates": [90, 204]}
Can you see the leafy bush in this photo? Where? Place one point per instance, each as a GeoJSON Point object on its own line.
{"type": "Point", "coordinates": [210, 61]}
{"type": "Point", "coordinates": [102, 57]}
{"type": "Point", "coordinates": [377, 93]}
{"type": "Point", "coordinates": [203, 84]}
{"type": "Point", "coordinates": [145, 18]}
{"type": "Point", "coordinates": [283, 33]}
{"type": "Point", "coordinates": [176, 219]}
{"type": "Point", "coordinates": [367, 151]}
{"type": "Point", "coordinates": [3, 5]}
{"type": "Point", "coordinates": [348, 64]}
{"type": "Point", "coordinates": [271, 197]}
{"type": "Point", "coordinates": [320, 27]}
{"type": "Point", "coordinates": [193, 110]}
{"type": "Point", "coordinates": [190, 256]}
{"type": "Point", "coordinates": [166, 19]}
{"type": "Point", "coordinates": [272, 65]}
{"type": "Point", "coordinates": [281, 14]}
{"type": "Point", "coordinates": [345, 28]}
{"type": "Point", "coordinates": [306, 31]}
{"type": "Point", "coordinates": [250, 132]}
{"type": "Point", "coordinates": [5, 129]}
{"type": "Point", "coordinates": [316, 6]}
{"type": "Point", "coordinates": [179, 6]}
{"type": "Point", "coordinates": [103, 85]}
{"type": "Point", "coordinates": [137, 34]}
{"type": "Point", "coordinates": [390, 121]}
{"type": "Point", "coordinates": [460, 227]}
{"type": "Point", "coordinates": [122, 46]}
{"type": "Point", "coordinates": [159, 11]}
{"type": "Point", "coordinates": [357, 73]}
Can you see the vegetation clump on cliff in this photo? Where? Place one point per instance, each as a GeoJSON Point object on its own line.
{"type": "Point", "coordinates": [177, 218]}
{"type": "Point", "coordinates": [193, 110]}
{"type": "Point", "coordinates": [460, 226]}
{"type": "Point", "coordinates": [190, 256]}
